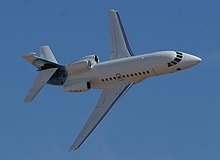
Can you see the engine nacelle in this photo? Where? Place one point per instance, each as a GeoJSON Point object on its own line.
{"type": "Point", "coordinates": [78, 86]}
{"type": "Point", "coordinates": [92, 58]}
{"type": "Point", "coordinates": [80, 66]}
{"type": "Point", "coordinates": [83, 64]}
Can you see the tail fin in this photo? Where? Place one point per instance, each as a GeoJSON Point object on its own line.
{"type": "Point", "coordinates": [46, 53]}
{"type": "Point", "coordinates": [46, 64]}
{"type": "Point", "coordinates": [45, 61]}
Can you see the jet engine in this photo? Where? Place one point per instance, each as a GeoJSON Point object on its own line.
{"type": "Point", "coordinates": [83, 64]}
{"type": "Point", "coordinates": [92, 58]}
{"type": "Point", "coordinates": [78, 86]}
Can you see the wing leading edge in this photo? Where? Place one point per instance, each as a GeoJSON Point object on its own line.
{"type": "Point", "coordinates": [120, 47]}
{"type": "Point", "coordinates": [106, 101]}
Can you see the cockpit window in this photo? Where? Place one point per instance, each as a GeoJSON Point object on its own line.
{"type": "Point", "coordinates": [173, 62]}
{"type": "Point", "coordinates": [169, 64]}
{"type": "Point", "coordinates": [177, 59]}
{"type": "Point", "coordinates": [179, 56]}
{"type": "Point", "coordinates": [179, 53]}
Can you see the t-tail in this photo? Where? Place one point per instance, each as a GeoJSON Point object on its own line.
{"type": "Point", "coordinates": [46, 64]}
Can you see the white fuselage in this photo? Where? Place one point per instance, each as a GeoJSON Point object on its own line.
{"type": "Point", "coordinates": [132, 69]}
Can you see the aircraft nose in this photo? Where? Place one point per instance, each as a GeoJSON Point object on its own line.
{"type": "Point", "coordinates": [195, 60]}
{"type": "Point", "coordinates": [191, 60]}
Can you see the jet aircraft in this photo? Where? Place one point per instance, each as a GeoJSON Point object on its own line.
{"type": "Point", "coordinates": [114, 77]}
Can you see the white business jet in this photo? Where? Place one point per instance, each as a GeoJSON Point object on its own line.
{"type": "Point", "coordinates": [114, 77]}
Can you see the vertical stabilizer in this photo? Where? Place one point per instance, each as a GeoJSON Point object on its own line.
{"type": "Point", "coordinates": [46, 53]}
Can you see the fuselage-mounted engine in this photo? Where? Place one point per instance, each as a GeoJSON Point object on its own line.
{"type": "Point", "coordinates": [83, 64]}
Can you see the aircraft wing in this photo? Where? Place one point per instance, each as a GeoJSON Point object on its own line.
{"type": "Point", "coordinates": [118, 41]}
{"type": "Point", "coordinates": [39, 82]}
{"type": "Point", "coordinates": [106, 101]}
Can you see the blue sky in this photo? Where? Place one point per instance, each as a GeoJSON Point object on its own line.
{"type": "Point", "coordinates": [175, 116]}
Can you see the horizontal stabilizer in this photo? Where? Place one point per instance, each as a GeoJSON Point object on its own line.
{"type": "Point", "coordinates": [31, 57]}
{"type": "Point", "coordinates": [46, 59]}
{"type": "Point", "coordinates": [39, 82]}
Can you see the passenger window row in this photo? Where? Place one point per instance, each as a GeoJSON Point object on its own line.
{"type": "Point", "coordinates": [177, 59]}
{"type": "Point", "coordinates": [118, 76]}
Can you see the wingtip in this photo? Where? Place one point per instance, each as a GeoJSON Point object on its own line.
{"type": "Point", "coordinates": [27, 99]}
{"type": "Point", "coordinates": [72, 149]}
{"type": "Point", "coordinates": [113, 10]}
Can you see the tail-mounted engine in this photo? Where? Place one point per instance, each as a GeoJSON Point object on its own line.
{"type": "Point", "coordinates": [83, 64]}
